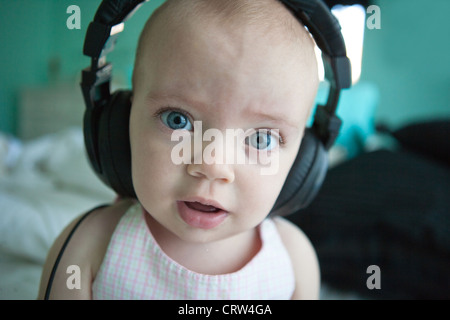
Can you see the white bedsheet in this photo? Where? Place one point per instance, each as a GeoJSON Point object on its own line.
{"type": "Point", "coordinates": [48, 184]}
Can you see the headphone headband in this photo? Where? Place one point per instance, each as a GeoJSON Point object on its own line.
{"type": "Point", "coordinates": [113, 12]}
{"type": "Point", "coordinates": [326, 31]}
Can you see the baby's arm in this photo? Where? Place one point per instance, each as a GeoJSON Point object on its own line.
{"type": "Point", "coordinates": [83, 254]}
{"type": "Point", "coordinates": [304, 260]}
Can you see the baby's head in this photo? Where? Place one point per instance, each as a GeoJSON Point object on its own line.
{"type": "Point", "coordinates": [226, 65]}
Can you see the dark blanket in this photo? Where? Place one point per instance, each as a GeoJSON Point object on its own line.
{"type": "Point", "coordinates": [389, 209]}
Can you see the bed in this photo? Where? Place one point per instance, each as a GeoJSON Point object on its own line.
{"type": "Point", "coordinates": [44, 184]}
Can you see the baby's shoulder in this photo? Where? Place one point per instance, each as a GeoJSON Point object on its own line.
{"type": "Point", "coordinates": [100, 223]}
{"type": "Point", "coordinates": [94, 232]}
{"type": "Point", "coordinates": [290, 233]}
{"type": "Point", "coordinates": [82, 244]}
{"type": "Point", "coordinates": [303, 257]}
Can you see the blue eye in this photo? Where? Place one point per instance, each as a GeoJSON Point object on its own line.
{"type": "Point", "coordinates": [176, 120]}
{"type": "Point", "coordinates": [262, 140]}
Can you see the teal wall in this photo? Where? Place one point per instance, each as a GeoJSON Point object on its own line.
{"type": "Point", "coordinates": [37, 48]}
{"type": "Point", "coordinates": [408, 58]}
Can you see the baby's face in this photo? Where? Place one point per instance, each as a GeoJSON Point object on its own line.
{"type": "Point", "coordinates": [220, 80]}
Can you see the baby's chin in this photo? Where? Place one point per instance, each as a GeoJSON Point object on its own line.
{"type": "Point", "coordinates": [226, 231]}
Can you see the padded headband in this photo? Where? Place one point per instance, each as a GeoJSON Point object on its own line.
{"type": "Point", "coordinates": [110, 13]}
{"type": "Point", "coordinates": [116, 11]}
{"type": "Point", "coordinates": [323, 26]}
{"type": "Point", "coordinates": [326, 31]}
{"type": "Point", "coordinates": [314, 14]}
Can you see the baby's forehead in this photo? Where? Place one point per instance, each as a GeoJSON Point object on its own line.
{"type": "Point", "coordinates": [264, 21]}
{"type": "Point", "coordinates": [254, 56]}
{"type": "Point", "coordinates": [268, 19]}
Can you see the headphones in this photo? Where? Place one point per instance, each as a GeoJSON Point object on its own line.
{"type": "Point", "coordinates": [106, 118]}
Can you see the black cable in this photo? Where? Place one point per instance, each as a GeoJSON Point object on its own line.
{"type": "Point", "coordinates": [61, 252]}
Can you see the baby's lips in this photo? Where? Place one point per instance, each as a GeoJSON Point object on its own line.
{"type": "Point", "coordinates": [202, 207]}
{"type": "Point", "coordinates": [198, 218]}
{"type": "Point", "coordinates": [199, 202]}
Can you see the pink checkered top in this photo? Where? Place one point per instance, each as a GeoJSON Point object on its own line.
{"type": "Point", "coordinates": [135, 267]}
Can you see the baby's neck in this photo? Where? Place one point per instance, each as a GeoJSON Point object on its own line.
{"type": "Point", "coordinates": [218, 257]}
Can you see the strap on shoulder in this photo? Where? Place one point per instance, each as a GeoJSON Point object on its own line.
{"type": "Point", "coordinates": [61, 252]}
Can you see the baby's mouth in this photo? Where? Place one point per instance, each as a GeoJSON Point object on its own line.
{"type": "Point", "coordinates": [202, 207]}
{"type": "Point", "coordinates": [201, 215]}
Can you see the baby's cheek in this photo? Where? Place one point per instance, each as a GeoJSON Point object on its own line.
{"type": "Point", "coordinates": [151, 166]}
{"type": "Point", "coordinates": [275, 181]}
{"type": "Point", "coordinates": [261, 192]}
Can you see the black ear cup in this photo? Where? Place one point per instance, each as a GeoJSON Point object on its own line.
{"type": "Point", "coordinates": [114, 144]}
{"type": "Point", "coordinates": [305, 177]}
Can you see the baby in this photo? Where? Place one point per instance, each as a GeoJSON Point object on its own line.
{"type": "Point", "coordinates": [201, 230]}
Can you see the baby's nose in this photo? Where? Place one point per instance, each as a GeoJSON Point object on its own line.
{"type": "Point", "coordinates": [212, 172]}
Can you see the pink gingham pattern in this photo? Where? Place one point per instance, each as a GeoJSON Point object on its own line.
{"type": "Point", "coordinates": [135, 267]}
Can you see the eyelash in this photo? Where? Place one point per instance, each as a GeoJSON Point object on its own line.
{"type": "Point", "coordinates": [281, 140]}
{"type": "Point", "coordinates": [158, 114]}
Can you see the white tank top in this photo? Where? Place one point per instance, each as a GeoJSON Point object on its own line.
{"type": "Point", "coordinates": [135, 267]}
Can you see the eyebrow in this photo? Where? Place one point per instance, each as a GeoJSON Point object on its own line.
{"type": "Point", "coordinates": [261, 116]}
{"type": "Point", "coordinates": [158, 96]}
